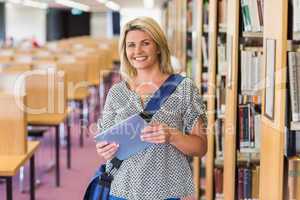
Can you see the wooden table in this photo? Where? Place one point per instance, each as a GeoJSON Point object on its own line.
{"type": "Point", "coordinates": [11, 164]}
{"type": "Point", "coordinates": [52, 121]}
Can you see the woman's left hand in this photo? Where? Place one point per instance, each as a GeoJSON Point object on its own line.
{"type": "Point", "coordinates": [158, 133]}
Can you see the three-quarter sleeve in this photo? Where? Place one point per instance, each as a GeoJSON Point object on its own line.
{"type": "Point", "coordinates": [194, 107]}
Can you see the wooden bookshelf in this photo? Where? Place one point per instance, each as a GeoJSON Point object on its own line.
{"type": "Point", "coordinates": [197, 77]}
{"type": "Point", "coordinates": [231, 96]}
{"type": "Point", "coordinates": [272, 131]}
{"type": "Point", "coordinates": [212, 43]}
{"type": "Point", "coordinates": [176, 28]}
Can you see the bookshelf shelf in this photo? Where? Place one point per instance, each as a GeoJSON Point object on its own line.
{"type": "Point", "coordinates": [255, 49]}
{"type": "Point", "coordinates": [295, 126]}
{"type": "Point", "coordinates": [253, 34]}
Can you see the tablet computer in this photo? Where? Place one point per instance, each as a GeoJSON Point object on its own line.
{"type": "Point", "coordinates": [127, 134]}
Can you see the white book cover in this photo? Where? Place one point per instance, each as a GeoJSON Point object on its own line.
{"type": "Point", "coordinates": [293, 85]}
{"type": "Point", "coordinates": [296, 17]}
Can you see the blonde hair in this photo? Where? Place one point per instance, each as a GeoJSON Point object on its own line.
{"type": "Point", "coordinates": [151, 27]}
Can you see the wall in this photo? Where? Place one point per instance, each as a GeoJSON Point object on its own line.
{"type": "Point", "coordinates": [131, 13]}
{"type": "Point", "coordinates": [99, 24]}
{"type": "Point", "coordinates": [25, 22]}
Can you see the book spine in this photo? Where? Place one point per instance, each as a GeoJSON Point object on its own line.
{"type": "Point", "coordinates": [292, 67]}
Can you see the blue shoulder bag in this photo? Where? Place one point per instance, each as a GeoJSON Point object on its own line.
{"type": "Point", "coordinates": [99, 186]}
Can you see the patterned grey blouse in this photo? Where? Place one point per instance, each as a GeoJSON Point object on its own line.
{"type": "Point", "coordinates": [161, 171]}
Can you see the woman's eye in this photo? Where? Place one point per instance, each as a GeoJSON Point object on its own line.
{"type": "Point", "coordinates": [145, 43]}
{"type": "Point", "coordinates": [130, 45]}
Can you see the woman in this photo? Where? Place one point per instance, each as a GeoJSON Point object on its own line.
{"type": "Point", "coordinates": [177, 130]}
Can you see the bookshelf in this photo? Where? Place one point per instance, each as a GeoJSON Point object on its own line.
{"type": "Point", "coordinates": [231, 96]}
{"type": "Point", "coordinates": [243, 99]}
{"type": "Point", "coordinates": [196, 71]}
{"type": "Point", "coordinates": [272, 131]}
{"type": "Point", "coordinates": [268, 158]}
{"type": "Point", "coordinates": [212, 63]}
{"type": "Point", "coordinates": [291, 180]}
{"type": "Point", "coordinates": [176, 28]}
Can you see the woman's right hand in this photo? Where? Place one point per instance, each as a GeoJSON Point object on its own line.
{"type": "Point", "coordinates": [106, 150]}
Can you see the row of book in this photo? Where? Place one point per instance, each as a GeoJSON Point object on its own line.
{"type": "Point", "coordinates": [219, 138]}
{"type": "Point", "coordinates": [248, 183]}
{"type": "Point", "coordinates": [205, 51]}
{"type": "Point", "coordinates": [293, 179]}
{"type": "Point", "coordinates": [222, 64]}
{"type": "Point", "coordinates": [251, 70]}
{"type": "Point", "coordinates": [220, 95]}
{"type": "Point", "coordinates": [218, 183]}
{"type": "Point", "coordinates": [249, 123]}
{"type": "Point", "coordinates": [292, 143]}
{"type": "Point", "coordinates": [252, 13]}
{"type": "Point", "coordinates": [294, 83]}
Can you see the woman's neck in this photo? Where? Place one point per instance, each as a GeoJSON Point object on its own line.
{"type": "Point", "coordinates": [147, 81]}
{"type": "Point", "coordinates": [152, 74]}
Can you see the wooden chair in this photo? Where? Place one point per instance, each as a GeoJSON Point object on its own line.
{"type": "Point", "coordinates": [17, 68]}
{"type": "Point", "coordinates": [46, 104]}
{"type": "Point", "coordinates": [76, 73]}
{"type": "Point", "coordinates": [15, 150]}
{"type": "Point", "coordinates": [43, 55]}
{"type": "Point", "coordinates": [92, 60]}
{"type": "Point", "coordinates": [5, 59]}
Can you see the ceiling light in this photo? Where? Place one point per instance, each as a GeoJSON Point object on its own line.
{"type": "Point", "coordinates": [35, 4]}
{"type": "Point", "coordinates": [74, 4]}
{"type": "Point", "coordinates": [14, 1]}
{"type": "Point", "coordinates": [149, 4]}
{"type": "Point", "coordinates": [112, 5]}
{"type": "Point", "coordinates": [102, 1]}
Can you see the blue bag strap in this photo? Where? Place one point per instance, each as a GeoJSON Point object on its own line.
{"type": "Point", "coordinates": [162, 94]}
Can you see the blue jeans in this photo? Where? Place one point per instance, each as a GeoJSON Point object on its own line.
{"type": "Point", "coordinates": [118, 198]}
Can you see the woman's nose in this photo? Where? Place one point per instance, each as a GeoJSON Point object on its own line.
{"type": "Point", "coordinates": [137, 49]}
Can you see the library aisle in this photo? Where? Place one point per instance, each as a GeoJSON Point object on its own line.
{"type": "Point", "coordinates": [73, 182]}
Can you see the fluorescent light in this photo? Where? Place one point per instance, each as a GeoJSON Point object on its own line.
{"type": "Point", "coordinates": [73, 4]}
{"type": "Point", "coordinates": [14, 1]}
{"type": "Point", "coordinates": [35, 4]}
{"type": "Point", "coordinates": [102, 1]}
{"type": "Point", "coordinates": [149, 4]}
{"type": "Point", "coordinates": [112, 5]}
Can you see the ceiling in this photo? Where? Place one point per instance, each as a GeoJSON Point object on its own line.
{"type": "Point", "coordinates": [100, 7]}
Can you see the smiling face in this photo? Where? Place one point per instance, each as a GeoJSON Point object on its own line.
{"type": "Point", "coordinates": [141, 50]}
